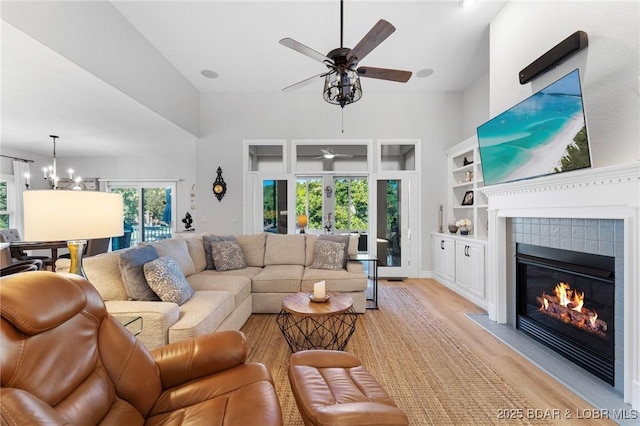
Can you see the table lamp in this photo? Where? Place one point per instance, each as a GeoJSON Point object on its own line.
{"type": "Point", "coordinates": [302, 222]}
{"type": "Point", "coordinates": [74, 217]}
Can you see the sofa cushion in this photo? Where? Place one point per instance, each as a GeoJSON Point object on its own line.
{"type": "Point", "coordinates": [329, 255]}
{"type": "Point", "coordinates": [175, 248]}
{"type": "Point", "coordinates": [237, 285]}
{"type": "Point", "coordinates": [227, 255]}
{"type": "Point", "coordinates": [197, 253]}
{"type": "Point", "coordinates": [206, 242]}
{"type": "Point", "coordinates": [253, 248]}
{"type": "Point", "coordinates": [103, 271]}
{"type": "Point", "coordinates": [278, 279]}
{"type": "Point", "coordinates": [201, 314]}
{"type": "Point", "coordinates": [131, 268]}
{"type": "Point", "coordinates": [287, 249]}
{"type": "Point", "coordinates": [167, 280]}
{"type": "Point", "coordinates": [310, 251]}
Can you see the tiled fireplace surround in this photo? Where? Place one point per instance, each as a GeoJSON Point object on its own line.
{"type": "Point", "coordinates": [595, 211]}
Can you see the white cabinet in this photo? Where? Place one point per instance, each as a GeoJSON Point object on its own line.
{"type": "Point", "coordinates": [444, 257]}
{"type": "Point", "coordinates": [465, 201]}
{"type": "Point", "coordinates": [459, 264]}
{"type": "Point", "coordinates": [470, 271]}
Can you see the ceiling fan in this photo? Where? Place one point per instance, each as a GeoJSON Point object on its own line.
{"type": "Point", "coordinates": [342, 80]}
{"type": "Point", "coordinates": [330, 154]}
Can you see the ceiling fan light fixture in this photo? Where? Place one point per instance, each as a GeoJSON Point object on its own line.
{"type": "Point", "coordinates": [342, 88]}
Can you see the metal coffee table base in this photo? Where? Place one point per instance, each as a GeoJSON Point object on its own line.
{"type": "Point", "coordinates": [303, 332]}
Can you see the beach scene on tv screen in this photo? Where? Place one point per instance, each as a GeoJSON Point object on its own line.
{"type": "Point", "coordinates": [544, 134]}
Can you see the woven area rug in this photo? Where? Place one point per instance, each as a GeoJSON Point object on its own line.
{"type": "Point", "coordinates": [430, 373]}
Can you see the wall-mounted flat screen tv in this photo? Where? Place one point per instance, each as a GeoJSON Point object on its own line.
{"type": "Point", "coordinates": [544, 134]}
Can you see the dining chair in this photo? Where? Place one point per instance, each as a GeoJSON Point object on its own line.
{"type": "Point", "coordinates": [13, 235]}
{"type": "Point", "coordinates": [22, 266]}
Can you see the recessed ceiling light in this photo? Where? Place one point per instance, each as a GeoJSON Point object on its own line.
{"type": "Point", "coordinates": [424, 73]}
{"type": "Point", "coordinates": [209, 73]}
{"type": "Point", "coordinates": [467, 3]}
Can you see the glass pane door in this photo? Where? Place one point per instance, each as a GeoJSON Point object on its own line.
{"type": "Point", "coordinates": [309, 197]}
{"type": "Point", "coordinates": [396, 218]}
{"type": "Point", "coordinates": [351, 205]}
{"type": "Point", "coordinates": [148, 213]}
{"type": "Point", "coordinates": [274, 206]}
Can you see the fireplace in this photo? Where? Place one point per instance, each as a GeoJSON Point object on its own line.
{"type": "Point", "coordinates": [565, 300]}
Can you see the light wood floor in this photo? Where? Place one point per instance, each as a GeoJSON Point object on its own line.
{"type": "Point", "coordinates": [541, 389]}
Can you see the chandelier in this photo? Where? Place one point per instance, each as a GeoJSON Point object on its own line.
{"type": "Point", "coordinates": [55, 181]}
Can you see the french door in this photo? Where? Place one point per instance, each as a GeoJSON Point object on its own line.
{"type": "Point", "coordinates": [397, 224]}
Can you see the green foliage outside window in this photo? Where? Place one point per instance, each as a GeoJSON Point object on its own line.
{"type": "Point", "coordinates": [4, 218]}
{"type": "Point", "coordinates": [154, 203]}
{"type": "Point", "coordinates": [309, 201]}
{"type": "Point", "coordinates": [351, 204]}
{"type": "Point", "coordinates": [130, 200]}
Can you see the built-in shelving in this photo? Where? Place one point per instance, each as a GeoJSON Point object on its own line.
{"type": "Point", "coordinates": [465, 174]}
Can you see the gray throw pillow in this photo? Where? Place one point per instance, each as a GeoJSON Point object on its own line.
{"type": "Point", "coordinates": [131, 264]}
{"type": "Point", "coordinates": [166, 278]}
{"type": "Point", "coordinates": [329, 255]}
{"type": "Point", "coordinates": [227, 255]}
{"type": "Point", "coordinates": [344, 239]}
{"type": "Point", "coordinates": [207, 240]}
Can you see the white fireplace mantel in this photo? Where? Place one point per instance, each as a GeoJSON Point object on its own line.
{"type": "Point", "coordinates": [611, 192]}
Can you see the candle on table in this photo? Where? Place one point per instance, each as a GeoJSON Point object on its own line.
{"type": "Point", "coordinates": [318, 290]}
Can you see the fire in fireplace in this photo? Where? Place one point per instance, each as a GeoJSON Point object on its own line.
{"type": "Point", "coordinates": [567, 305]}
{"type": "Point", "coordinates": [565, 300]}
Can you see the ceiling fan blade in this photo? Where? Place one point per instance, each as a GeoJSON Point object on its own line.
{"type": "Point", "coordinates": [303, 83]}
{"type": "Point", "coordinates": [307, 51]}
{"type": "Point", "coordinates": [376, 35]}
{"type": "Point", "coordinates": [385, 74]}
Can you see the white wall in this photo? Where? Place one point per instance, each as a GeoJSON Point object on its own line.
{"type": "Point", "coordinates": [476, 106]}
{"type": "Point", "coordinates": [609, 66]}
{"type": "Point", "coordinates": [227, 119]}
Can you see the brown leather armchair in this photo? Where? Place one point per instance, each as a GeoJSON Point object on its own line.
{"type": "Point", "coordinates": [66, 361]}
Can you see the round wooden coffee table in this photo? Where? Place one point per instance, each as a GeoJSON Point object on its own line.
{"type": "Point", "coordinates": [312, 325]}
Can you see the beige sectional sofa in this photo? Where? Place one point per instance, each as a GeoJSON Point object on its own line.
{"type": "Point", "coordinates": [276, 265]}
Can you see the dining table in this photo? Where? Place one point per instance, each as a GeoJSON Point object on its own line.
{"type": "Point", "coordinates": [17, 249]}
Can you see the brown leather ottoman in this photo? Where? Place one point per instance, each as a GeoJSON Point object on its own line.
{"type": "Point", "coordinates": [333, 388]}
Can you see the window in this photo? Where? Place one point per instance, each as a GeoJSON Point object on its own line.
{"type": "Point", "coordinates": [309, 201]}
{"type": "Point", "coordinates": [148, 211]}
{"type": "Point", "coordinates": [351, 204]}
{"type": "Point", "coordinates": [5, 203]}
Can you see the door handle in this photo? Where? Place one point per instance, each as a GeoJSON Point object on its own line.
{"type": "Point", "coordinates": [442, 244]}
{"type": "Point", "coordinates": [466, 251]}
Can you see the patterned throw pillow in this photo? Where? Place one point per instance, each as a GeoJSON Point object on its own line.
{"type": "Point", "coordinates": [207, 240]}
{"type": "Point", "coordinates": [339, 239]}
{"type": "Point", "coordinates": [166, 278]}
{"type": "Point", "coordinates": [329, 255]}
{"type": "Point", "coordinates": [227, 255]}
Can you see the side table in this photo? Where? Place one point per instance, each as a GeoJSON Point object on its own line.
{"type": "Point", "coordinates": [131, 323]}
{"type": "Point", "coordinates": [311, 325]}
{"type": "Point", "coordinates": [373, 274]}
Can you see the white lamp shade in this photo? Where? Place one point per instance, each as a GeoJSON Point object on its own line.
{"type": "Point", "coordinates": [57, 215]}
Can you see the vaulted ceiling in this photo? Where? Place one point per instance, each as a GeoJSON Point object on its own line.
{"type": "Point", "coordinates": [45, 92]}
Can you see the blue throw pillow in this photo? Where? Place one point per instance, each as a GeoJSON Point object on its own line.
{"type": "Point", "coordinates": [131, 269]}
